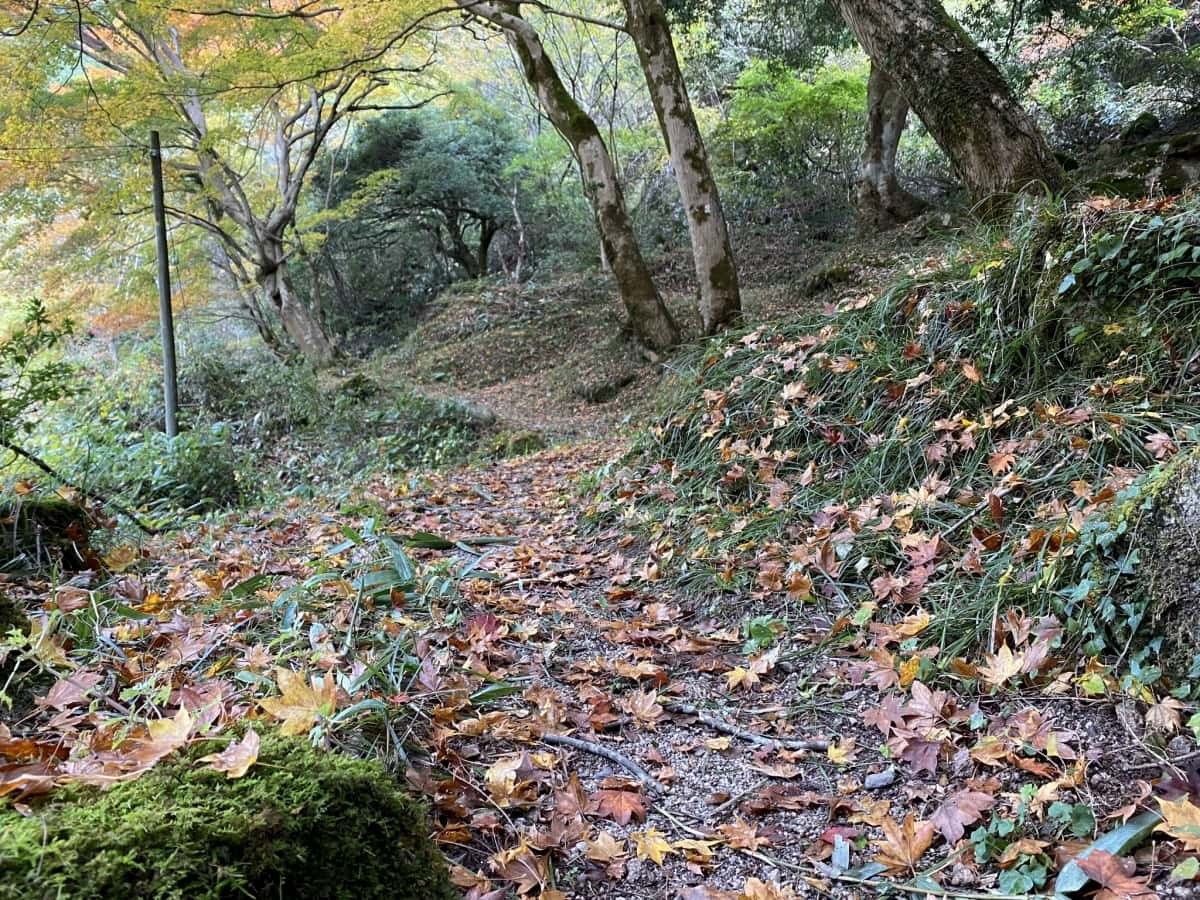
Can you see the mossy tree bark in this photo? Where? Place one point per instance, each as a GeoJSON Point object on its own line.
{"type": "Point", "coordinates": [648, 315]}
{"type": "Point", "coordinates": [882, 202]}
{"type": "Point", "coordinates": [716, 269]}
{"type": "Point", "coordinates": [959, 94]}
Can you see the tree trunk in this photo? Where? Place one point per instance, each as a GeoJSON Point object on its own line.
{"type": "Point", "coordinates": [959, 94]}
{"type": "Point", "coordinates": [648, 315]}
{"type": "Point", "coordinates": [301, 326]}
{"type": "Point", "coordinates": [882, 202]}
{"type": "Point", "coordinates": [487, 233]}
{"type": "Point", "coordinates": [716, 270]}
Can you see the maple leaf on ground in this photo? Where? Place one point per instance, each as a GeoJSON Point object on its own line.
{"type": "Point", "coordinates": [620, 806]}
{"type": "Point", "coordinates": [959, 810]}
{"type": "Point", "coordinates": [1115, 877]}
{"type": "Point", "coordinates": [607, 851]}
{"type": "Point", "coordinates": [644, 706]}
{"type": "Point", "coordinates": [742, 835]}
{"type": "Point", "coordinates": [166, 736]}
{"type": "Point", "coordinates": [525, 869]}
{"type": "Point", "coordinates": [1001, 461]}
{"type": "Point", "coordinates": [299, 704]}
{"type": "Point", "coordinates": [904, 844]}
{"type": "Point", "coordinates": [1001, 666]}
{"type": "Point", "coordinates": [605, 848]}
{"type": "Point", "coordinates": [652, 844]}
{"type": "Point", "coordinates": [1181, 820]}
{"type": "Point", "coordinates": [754, 889]}
{"type": "Point", "coordinates": [740, 677]}
{"type": "Point", "coordinates": [236, 759]}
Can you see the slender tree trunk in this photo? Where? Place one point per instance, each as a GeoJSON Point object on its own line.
{"type": "Point", "coordinates": [959, 94]}
{"type": "Point", "coordinates": [712, 252]}
{"type": "Point", "coordinates": [648, 315]}
{"type": "Point", "coordinates": [487, 232]}
{"type": "Point", "coordinates": [882, 202]}
{"type": "Point", "coordinates": [301, 326]}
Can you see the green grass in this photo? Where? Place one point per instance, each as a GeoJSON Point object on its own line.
{"type": "Point", "coordinates": [986, 411]}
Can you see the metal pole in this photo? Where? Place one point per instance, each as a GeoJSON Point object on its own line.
{"type": "Point", "coordinates": [166, 317]}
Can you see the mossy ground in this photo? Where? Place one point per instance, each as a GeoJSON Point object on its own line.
{"type": "Point", "coordinates": [300, 824]}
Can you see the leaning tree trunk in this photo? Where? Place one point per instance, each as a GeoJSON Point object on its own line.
{"type": "Point", "coordinates": [882, 202]}
{"type": "Point", "coordinates": [716, 270]}
{"type": "Point", "coordinates": [301, 326]}
{"type": "Point", "coordinates": [648, 315]}
{"type": "Point", "coordinates": [959, 94]}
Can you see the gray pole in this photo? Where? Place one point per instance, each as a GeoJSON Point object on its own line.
{"type": "Point", "coordinates": [166, 317]}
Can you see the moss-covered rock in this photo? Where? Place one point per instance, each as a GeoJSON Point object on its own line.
{"type": "Point", "coordinates": [1169, 567]}
{"type": "Point", "coordinates": [300, 824]}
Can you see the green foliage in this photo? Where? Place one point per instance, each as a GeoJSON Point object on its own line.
{"type": "Point", "coordinates": [301, 823]}
{"type": "Point", "coordinates": [31, 373]}
{"type": "Point", "coordinates": [788, 131]}
{"type": "Point", "coordinates": [256, 395]}
{"type": "Point", "coordinates": [420, 199]}
{"type": "Point", "coordinates": [418, 432]}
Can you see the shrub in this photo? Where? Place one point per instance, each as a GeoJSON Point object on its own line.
{"type": "Point", "coordinates": [301, 824]}
{"type": "Point", "coordinates": [790, 131]}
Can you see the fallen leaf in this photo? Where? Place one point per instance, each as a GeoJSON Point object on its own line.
{"type": "Point", "coordinates": [959, 810]}
{"type": "Point", "coordinates": [299, 705]}
{"type": "Point", "coordinates": [904, 844]}
{"type": "Point", "coordinates": [236, 759]}
{"type": "Point", "coordinates": [651, 844]}
{"type": "Point", "coordinates": [1115, 877]}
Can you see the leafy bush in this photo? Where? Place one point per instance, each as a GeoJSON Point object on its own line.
{"type": "Point", "coordinates": [30, 374]}
{"type": "Point", "coordinates": [301, 823]}
{"type": "Point", "coordinates": [789, 131]}
{"type": "Point", "coordinates": [196, 470]}
{"type": "Point", "coordinates": [419, 432]}
{"type": "Point", "coordinates": [257, 395]}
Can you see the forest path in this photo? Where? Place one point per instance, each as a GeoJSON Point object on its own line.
{"type": "Point", "coordinates": [598, 646]}
{"type": "Point", "coordinates": [609, 663]}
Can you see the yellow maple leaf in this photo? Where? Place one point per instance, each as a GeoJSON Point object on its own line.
{"type": "Point", "coordinates": [841, 753]}
{"type": "Point", "coordinates": [1181, 820]}
{"type": "Point", "coordinates": [299, 704]}
{"type": "Point", "coordinates": [909, 669]}
{"type": "Point", "coordinates": [1001, 666]}
{"type": "Point", "coordinates": [604, 848]}
{"type": "Point", "coordinates": [652, 844]}
{"type": "Point", "coordinates": [740, 677]}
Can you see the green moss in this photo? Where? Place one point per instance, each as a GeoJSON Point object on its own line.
{"type": "Point", "coordinates": [300, 824]}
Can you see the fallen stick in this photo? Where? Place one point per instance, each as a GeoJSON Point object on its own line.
{"type": "Point", "coordinates": [562, 740]}
{"type": "Point", "coordinates": [744, 733]}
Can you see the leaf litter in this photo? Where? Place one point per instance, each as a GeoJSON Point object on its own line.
{"type": "Point", "coordinates": [526, 671]}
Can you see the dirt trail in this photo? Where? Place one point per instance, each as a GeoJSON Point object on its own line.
{"type": "Point", "coordinates": [607, 652]}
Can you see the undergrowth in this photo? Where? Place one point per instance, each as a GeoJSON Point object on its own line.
{"type": "Point", "coordinates": [975, 439]}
